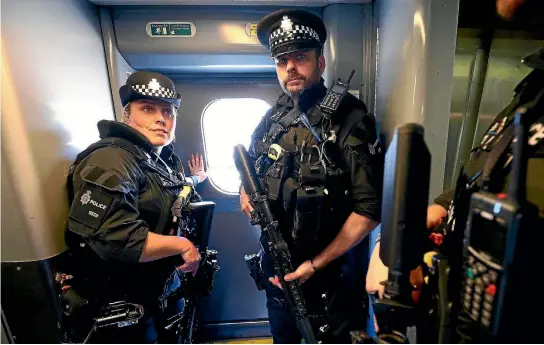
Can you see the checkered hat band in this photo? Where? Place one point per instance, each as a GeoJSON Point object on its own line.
{"type": "Point", "coordinates": [299, 32]}
{"type": "Point", "coordinates": [161, 92]}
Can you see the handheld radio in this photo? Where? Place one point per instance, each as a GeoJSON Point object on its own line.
{"type": "Point", "coordinates": [496, 255]}
{"type": "Point", "coordinates": [335, 93]}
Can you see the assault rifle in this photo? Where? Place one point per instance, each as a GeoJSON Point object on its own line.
{"type": "Point", "coordinates": [279, 252]}
{"type": "Point", "coordinates": [195, 225]}
{"type": "Point", "coordinates": [197, 229]}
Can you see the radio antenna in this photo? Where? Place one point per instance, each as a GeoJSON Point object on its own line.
{"type": "Point", "coordinates": [350, 76]}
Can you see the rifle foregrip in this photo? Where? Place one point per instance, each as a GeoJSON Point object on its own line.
{"type": "Point", "coordinates": [247, 171]}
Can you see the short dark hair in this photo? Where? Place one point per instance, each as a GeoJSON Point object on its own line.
{"type": "Point", "coordinates": [318, 52]}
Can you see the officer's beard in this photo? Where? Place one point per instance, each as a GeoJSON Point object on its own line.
{"type": "Point", "coordinates": [307, 83]}
{"type": "Point", "coordinates": [291, 77]}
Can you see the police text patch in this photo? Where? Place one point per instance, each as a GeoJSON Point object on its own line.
{"type": "Point", "coordinates": [90, 207]}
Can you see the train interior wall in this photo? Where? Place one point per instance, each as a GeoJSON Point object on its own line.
{"type": "Point", "coordinates": [55, 88]}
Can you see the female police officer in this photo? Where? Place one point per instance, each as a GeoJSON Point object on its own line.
{"type": "Point", "coordinates": [120, 229]}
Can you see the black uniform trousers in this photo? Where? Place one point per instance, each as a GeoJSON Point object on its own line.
{"type": "Point", "coordinates": [342, 309]}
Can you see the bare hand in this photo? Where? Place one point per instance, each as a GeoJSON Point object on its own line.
{"type": "Point", "coordinates": [275, 281]}
{"type": "Point", "coordinates": [196, 167]}
{"type": "Point", "coordinates": [191, 256]}
{"type": "Point", "coordinates": [302, 273]}
{"type": "Point", "coordinates": [435, 213]}
{"type": "Point", "coordinates": [244, 202]}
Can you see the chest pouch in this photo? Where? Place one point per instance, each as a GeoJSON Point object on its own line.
{"type": "Point", "coordinates": [277, 173]}
{"type": "Point", "coordinates": [307, 215]}
{"type": "Point", "coordinates": [304, 174]}
{"type": "Point", "coordinates": [312, 175]}
{"type": "Point", "coordinates": [262, 164]}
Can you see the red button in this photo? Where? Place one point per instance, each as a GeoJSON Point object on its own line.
{"type": "Point", "coordinates": [502, 195]}
{"type": "Point", "coordinates": [436, 238]}
{"type": "Point", "coordinates": [491, 289]}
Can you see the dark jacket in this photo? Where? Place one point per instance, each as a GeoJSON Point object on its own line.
{"type": "Point", "coordinates": [357, 153]}
{"type": "Point", "coordinates": [121, 191]}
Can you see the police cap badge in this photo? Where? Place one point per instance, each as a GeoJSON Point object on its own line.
{"type": "Point", "coordinates": [149, 85]}
{"type": "Point", "coordinates": [286, 31]}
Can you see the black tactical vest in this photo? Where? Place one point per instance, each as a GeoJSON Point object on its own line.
{"type": "Point", "coordinates": [308, 182]}
{"type": "Point", "coordinates": [158, 191]}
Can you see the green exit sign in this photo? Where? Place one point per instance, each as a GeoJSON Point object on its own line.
{"type": "Point", "coordinates": [171, 29]}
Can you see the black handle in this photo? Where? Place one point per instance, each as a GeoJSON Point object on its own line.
{"type": "Point", "coordinates": [246, 170]}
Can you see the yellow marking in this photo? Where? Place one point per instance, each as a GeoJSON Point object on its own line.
{"type": "Point", "coordinates": [274, 152]}
{"type": "Point", "coordinates": [185, 191]}
{"type": "Point", "coordinates": [428, 258]}
{"type": "Point", "coordinates": [246, 341]}
{"type": "Point", "coordinates": [252, 29]}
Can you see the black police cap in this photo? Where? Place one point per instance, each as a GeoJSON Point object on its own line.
{"type": "Point", "coordinates": [149, 85]}
{"type": "Point", "coordinates": [286, 31]}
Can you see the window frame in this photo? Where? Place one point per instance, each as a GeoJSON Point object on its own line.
{"type": "Point", "coordinates": [215, 185]}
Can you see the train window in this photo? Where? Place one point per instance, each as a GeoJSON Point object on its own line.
{"type": "Point", "coordinates": [226, 123]}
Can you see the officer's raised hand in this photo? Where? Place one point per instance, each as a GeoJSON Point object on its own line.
{"type": "Point", "coordinates": [196, 167]}
{"type": "Point", "coordinates": [191, 257]}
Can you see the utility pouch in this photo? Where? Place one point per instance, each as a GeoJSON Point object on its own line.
{"type": "Point", "coordinates": [73, 304]}
{"type": "Point", "coordinates": [253, 262]}
{"type": "Point", "coordinates": [307, 214]}
{"type": "Point", "coordinates": [261, 165]}
{"type": "Point", "coordinates": [290, 188]}
{"type": "Point", "coordinates": [78, 315]}
{"type": "Point", "coordinates": [276, 175]}
{"type": "Point", "coordinates": [312, 175]}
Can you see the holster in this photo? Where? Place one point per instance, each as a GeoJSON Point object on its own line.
{"type": "Point", "coordinates": [73, 304]}
{"type": "Point", "coordinates": [78, 314]}
{"type": "Point", "coordinates": [253, 262]}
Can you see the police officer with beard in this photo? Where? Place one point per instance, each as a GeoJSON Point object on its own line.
{"type": "Point", "coordinates": [323, 176]}
{"type": "Point", "coordinates": [123, 238]}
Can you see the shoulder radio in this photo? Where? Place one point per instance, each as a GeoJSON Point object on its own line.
{"type": "Point", "coordinates": [335, 93]}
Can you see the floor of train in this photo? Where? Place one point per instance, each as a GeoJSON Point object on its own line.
{"type": "Point", "coordinates": [245, 341]}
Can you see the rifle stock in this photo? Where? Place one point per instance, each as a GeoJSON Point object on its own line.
{"type": "Point", "coordinates": [281, 257]}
